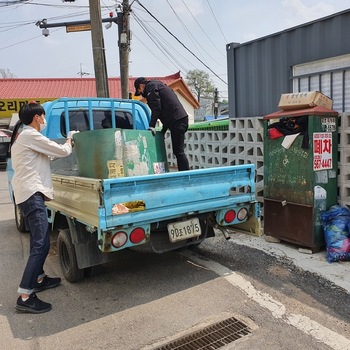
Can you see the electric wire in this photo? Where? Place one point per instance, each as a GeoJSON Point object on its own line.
{"type": "Point", "coordinates": [204, 32]}
{"type": "Point", "coordinates": [216, 21]}
{"type": "Point", "coordinates": [203, 63]}
{"type": "Point", "coordinates": [24, 41]}
{"type": "Point", "coordinates": [11, 3]}
{"type": "Point", "coordinates": [159, 42]}
{"type": "Point", "coordinates": [152, 52]}
{"type": "Point", "coordinates": [155, 37]}
{"type": "Point", "coordinates": [193, 39]}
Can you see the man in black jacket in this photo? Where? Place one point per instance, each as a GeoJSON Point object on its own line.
{"type": "Point", "coordinates": [166, 107]}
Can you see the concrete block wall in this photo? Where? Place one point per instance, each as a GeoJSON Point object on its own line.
{"type": "Point", "coordinates": [243, 143]}
{"type": "Point", "coordinates": [344, 160]}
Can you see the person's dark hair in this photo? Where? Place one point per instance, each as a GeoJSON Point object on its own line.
{"type": "Point", "coordinates": [137, 83]}
{"type": "Point", "coordinates": [28, 111]}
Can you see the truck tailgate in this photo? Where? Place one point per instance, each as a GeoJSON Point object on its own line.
{"type": "Point", "coordinates": [166, 196]}
{"type": "Point", "coordinates": [170, 195]}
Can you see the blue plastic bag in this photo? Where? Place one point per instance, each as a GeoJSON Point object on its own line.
{"type": "Point", "coordinates": [336, 226]}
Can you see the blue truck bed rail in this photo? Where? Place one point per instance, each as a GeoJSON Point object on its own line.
{"type": "Point", "coordinates": [170, 195]}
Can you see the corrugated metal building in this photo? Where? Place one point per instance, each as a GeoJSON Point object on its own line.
{"type": "Point", "coordinates": [312, 56]}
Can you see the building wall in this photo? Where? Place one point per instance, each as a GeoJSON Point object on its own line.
{"type": "Point", "coordinates": [261, 70]}
{"type": "Point", "coordinates": [188, 107]}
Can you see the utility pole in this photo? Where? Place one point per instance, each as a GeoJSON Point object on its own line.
{"type": "Point", "coordinates": [216, 103]}
{"type": "Point", "coordinates": [124, 46]}
{"type": "Point", "coordinates": [98, 49]}
{"type": "Point", "coordinates": [81, 73]}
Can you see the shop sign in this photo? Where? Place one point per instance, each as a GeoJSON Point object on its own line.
{"type": "Point", "coordinates": [322, 142]}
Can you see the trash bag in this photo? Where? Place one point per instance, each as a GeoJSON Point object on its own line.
{"type": "Point", "coordinates": [336, 226]}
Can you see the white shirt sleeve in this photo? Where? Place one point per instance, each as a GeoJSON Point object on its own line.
{"type": "Point", "coordinates": [31, 154]}
{"type": "Point", "coordinates": [39, 143]}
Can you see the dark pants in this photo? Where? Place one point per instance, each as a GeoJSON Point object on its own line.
{"type": "Point", "coordinates": [34, 211]}
{"type": "Point", "coordinates": [177, 131]}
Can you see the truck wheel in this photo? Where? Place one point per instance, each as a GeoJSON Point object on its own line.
{"type": "Point", "coordinates": [68, 259]}
{"type": "Point", "coordinates": [19, 218]}
{"type": "Point", "coordinates": [92, 271]}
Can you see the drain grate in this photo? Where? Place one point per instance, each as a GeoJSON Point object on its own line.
{"type": "Point", "coordinates": [212, 337]}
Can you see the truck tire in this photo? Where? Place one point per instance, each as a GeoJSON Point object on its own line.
{"type": "Point", "coordinates": [92, 271]}
{"type": "Point", "coordinates": [19, 219]}
{"type": "Point", "coordinates": [68, 259]}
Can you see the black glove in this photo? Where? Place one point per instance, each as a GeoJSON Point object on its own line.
{"type": "Point", "coordinates": [153, 130]}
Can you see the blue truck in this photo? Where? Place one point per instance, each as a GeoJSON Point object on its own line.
{"type": "Point", "coordinates": [160, 212]}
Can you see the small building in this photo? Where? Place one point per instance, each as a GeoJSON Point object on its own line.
{"type": "Point", "coordinates": [14, 92]}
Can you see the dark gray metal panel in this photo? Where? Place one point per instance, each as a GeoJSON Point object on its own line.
{"type": "Point", "coordinates": [260, 71]}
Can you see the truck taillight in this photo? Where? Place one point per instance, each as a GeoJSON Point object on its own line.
{"type": "Point", "coordinates": [137, 235]}
{"type": "Point", "coordinates": [242, 214]}
{"type": "Point", "coordinates": [230, 216]}
{"type": "Point", "coordinates": [119, 239]}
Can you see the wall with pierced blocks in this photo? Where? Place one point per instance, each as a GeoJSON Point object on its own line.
{"type": "Point", "coordinates": [243, 143]}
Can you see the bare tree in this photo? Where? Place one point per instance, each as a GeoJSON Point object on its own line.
{"type": "Point", "coordinates": [5, 73]}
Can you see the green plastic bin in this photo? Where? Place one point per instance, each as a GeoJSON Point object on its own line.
{"type": "Point", "coordinates": [112, 153]}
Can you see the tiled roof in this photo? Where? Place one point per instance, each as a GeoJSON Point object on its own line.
{"type": "Point", "coordinates": [13, 88]}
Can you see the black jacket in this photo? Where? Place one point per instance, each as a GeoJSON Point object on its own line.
{"type": "Point", "coordinates": [163, 103]}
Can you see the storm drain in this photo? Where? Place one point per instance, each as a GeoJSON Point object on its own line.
{"type": "Point", "coordinates": [212, 337]}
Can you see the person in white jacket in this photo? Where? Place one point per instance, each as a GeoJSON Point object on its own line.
{"type": "Point", "coordinates": [32, 185]}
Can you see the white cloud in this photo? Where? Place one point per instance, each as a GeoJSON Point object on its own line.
{"type": "Point", "coordinates": [306, 12]}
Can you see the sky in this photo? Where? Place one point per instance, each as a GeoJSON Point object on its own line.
{"type": "Point", "coordinates": [167, 36]}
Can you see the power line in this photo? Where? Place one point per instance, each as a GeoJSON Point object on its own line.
{"type": "Point", "coordinates": [159, 41]}
{"type": "Point", "coordinates": [204, 32]}
{"type": "Point", "coordinates": [181, 43]}
{"type": "Point", "coordinates": [149, 50]}
{"type": "Point", "coordinates": [194, 41]}
{"type": "Point", "coordinates": [216, 21]}
{"type": "Point", "coordinates": [23, 41]}
{"type": "Point", "coordinates": [11, 3]}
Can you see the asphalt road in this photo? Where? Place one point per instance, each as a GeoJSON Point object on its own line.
{"type": "Point", "coordinates": [141, 301]}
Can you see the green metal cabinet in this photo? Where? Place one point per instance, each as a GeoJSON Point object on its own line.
{"type": "Point", "coordinates": [300, 182]}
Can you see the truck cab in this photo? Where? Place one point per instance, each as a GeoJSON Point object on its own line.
{"type": "Point", "coordinates": [83, 114]}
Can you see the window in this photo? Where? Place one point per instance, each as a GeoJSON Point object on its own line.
{"type": "Point", "coordinates": [79, 120]}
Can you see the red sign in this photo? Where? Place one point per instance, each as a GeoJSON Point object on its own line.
{"type": "Point", "coordinates": [322, 142]}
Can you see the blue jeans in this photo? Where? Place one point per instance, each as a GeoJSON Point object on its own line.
{"type": "Point", "coordinates": [34, 211]}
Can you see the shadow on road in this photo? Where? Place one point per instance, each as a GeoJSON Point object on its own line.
{"type": "Point", "coordinates": [130, 279]}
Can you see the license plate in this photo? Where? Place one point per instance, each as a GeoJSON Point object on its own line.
{"type": "Point", "coordinates": [178, 231]}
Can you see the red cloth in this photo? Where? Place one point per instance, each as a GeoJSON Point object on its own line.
{"type": "Point", "coordinates": [273, 133]}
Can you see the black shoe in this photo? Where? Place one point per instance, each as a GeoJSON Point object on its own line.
{"type": "Point", "coordinates": [47, 283]}
{"type": "Point", "coordinates": [32, 305]}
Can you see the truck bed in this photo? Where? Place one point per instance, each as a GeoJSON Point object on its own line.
{"type": "Point", "coordinates": [165, 196]}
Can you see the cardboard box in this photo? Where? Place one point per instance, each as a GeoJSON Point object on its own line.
{"type": "Point", "coordinates": [301, 100]}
